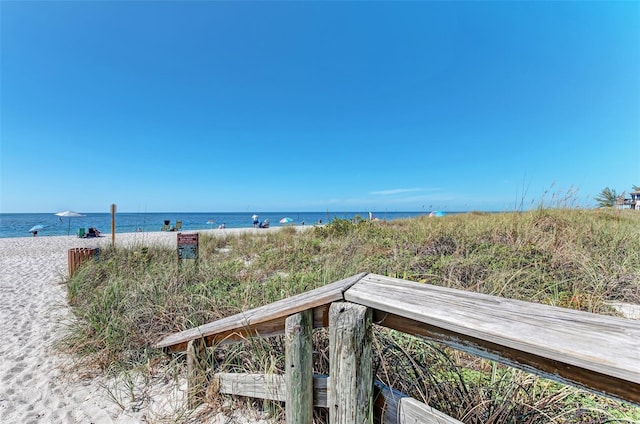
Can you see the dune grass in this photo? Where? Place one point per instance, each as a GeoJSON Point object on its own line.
{"type": "Point", "coordinates": [130, 298]}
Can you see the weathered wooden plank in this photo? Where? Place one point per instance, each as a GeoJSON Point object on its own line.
{"type": "Point", "coordinates": [390, 406]}
{"type": "Point", "coordinates": [266, 320]}
{"type": "Point", "coordinates": [597, 352]}
{"type": "Point", "coordinates": [393, 407]}
{"type": "Point", "coordinates": [264, 330]}
{"type": "Point", "coordinates": [411, 411]}
{"type": "Point", "coordinates": [350, 364]}
{"type": "Point", "coordinates": [267, 386]}
{"type": "Point", "coordinates": [320, 390]}
{"type": "Point", "coordinates": [385, 403]}
{"type": "Point", "coordinates": [259, 386]}
{"type": "Point", "coordinates": [299, 368]}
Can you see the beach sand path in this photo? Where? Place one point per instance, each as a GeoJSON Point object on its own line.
{"type": "Point", "coordinates": [36, 383]}
{"type": "Point", "coordinates": [33, 384]}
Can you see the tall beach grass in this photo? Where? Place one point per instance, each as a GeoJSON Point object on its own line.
{"type": "Point", "coordinates": [581, 259]}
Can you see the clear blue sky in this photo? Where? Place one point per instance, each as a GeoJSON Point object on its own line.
{"type": "Point", "coordinates": [314, 106]}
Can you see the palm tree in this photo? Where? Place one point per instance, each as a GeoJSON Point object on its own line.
{"type": "Point", "coordinates": [606, 198]}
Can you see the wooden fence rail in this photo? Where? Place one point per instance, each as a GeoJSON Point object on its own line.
{"type": "Point", "coordinates": [596, 352]}
{"type": "Point", "coordinates": [79, 255]}
{"type": "Point", "coordinates": [390, 406]}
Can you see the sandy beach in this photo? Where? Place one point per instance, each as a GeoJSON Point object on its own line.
{"type": "Point", "coordinates": [36, 384]}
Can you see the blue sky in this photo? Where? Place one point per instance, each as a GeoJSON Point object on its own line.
{"type": "Point", "coordinates": [314, 106]}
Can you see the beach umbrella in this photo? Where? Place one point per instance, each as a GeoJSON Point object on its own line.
{"type": "Point", "coordinates": [436, 213]}
{"type": "Point", "coordinates": [286, 220]}
{"type": "Point", "coordinates": [211, 222]}
{"type": "Point", "coordinates": [36, 228]}
{"type": "Point", "coordinates": [69, 214]}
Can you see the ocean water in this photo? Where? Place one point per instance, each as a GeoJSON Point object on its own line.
{"type": "Point", "coordinates": [19, 224]}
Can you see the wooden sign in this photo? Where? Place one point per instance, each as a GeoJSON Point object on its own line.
{"type": "Point", "coordinates": [187, 246]}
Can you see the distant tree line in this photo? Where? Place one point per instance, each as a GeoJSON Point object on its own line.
{"type": "Point", "coordinates": [608, 196]}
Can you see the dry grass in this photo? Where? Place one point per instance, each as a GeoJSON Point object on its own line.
{"type": "Point", "coordinates": [576, 259]}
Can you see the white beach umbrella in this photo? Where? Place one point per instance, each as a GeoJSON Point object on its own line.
{"type": "Point", "coordinates": [69, 214]}
{"type": "Point", "coordinates": [36, 228]}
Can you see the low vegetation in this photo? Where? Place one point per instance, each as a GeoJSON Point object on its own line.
{"type": "Point", "coordinates": [129, 299]}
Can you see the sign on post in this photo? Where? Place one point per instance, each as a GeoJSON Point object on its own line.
{"type": "Point", "coordinates": [187, 246]}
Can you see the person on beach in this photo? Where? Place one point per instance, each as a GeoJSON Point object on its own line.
{"type": "Point", "coordinates": [256, 223]}
{"type": "Point", "coordinates": [35, 233]}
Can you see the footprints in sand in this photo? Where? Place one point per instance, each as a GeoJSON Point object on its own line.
{"type": "Point", "coordinates": [33, 388]}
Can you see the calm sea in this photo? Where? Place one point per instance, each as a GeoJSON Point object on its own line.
{"type": "Point", "coordinates": [19, 224]}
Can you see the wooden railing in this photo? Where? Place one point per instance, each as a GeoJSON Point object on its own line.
{"type": "Point", "coordinates": [596, 352]}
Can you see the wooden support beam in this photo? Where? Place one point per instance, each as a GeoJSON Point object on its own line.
{"type": "Point", "coordinates": [264, 321]}
{"type": "Point", "coordinates": [266, 386]}
{"type": "Point", "coordinates": [390, 406]}
{"type": "Point", "coordinates": [196, 372]}
{"type": "Point", "coordinates": [299, 368]}
{"type": "Point", "coordinates": [350, 364]}
{"type": "Point", "coordinates": [413, 411]}
{"type": "Point", "coordinates": [394, 407]}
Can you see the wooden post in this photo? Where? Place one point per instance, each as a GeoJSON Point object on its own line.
{"type": "Point", "coordinates": [299, 368]}
{"type": "Point", "coordinates": [71, 259]}
{"type": "Point", "coordinates": [113, 224]}
{"type": "Point", "coordinates": [196, 372]}
{"type": "Point", "coordinates": [350, 364]}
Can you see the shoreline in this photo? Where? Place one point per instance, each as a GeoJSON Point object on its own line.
{"type": "Point", "coordinates": [213, 231]}
{"type": "Point", "coordinates": [152, 236]}
{"type": "Point", "coordinates": [19, 225]}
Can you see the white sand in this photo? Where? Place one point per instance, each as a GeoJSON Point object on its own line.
{"type": "Point", "coordinates": [34, 386]}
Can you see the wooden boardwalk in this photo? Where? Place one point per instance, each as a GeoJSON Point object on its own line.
{"type": "Point", "coordinates": [596, 352]}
